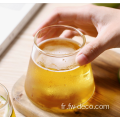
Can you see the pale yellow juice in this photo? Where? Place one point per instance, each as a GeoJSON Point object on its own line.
{"type": "Point", "coordinates": [52, 81]}
{"type": "Point", "coordinates": [7, 110]}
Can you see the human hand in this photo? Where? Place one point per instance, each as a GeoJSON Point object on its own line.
{"type": "Point", "coordinates": [100, 22]}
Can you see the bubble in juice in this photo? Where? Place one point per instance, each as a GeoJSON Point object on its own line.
{"type": "Point", "coordinates": [53, 80]}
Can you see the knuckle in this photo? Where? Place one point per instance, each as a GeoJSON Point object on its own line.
{"type": "Point", "coordinates": [55, 12]}
{"type": "Point", "coordinates": [89, 6]}
{"type": "Point", "coordinates": [89, 9]}
{"type": "Point", "coordinates": [92, 50]}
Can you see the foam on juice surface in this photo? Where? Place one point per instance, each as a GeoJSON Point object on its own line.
{"type": "Point", "coordinates": [58, 46]}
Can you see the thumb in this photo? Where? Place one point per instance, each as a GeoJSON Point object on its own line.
{"type": "Point", "coordinates": [90, 52]}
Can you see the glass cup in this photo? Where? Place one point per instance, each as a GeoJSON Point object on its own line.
{"type": "Point", "coordinates": [6, 109]}
{"type": "Point", "coordinates": [54, 79]}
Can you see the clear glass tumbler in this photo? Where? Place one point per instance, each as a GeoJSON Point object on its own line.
{"type": "Point", "coordinates": [53, 77]}
{"type": "Point", "coordinates": [6, 109]}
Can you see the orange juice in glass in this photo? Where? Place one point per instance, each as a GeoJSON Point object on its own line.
{"type": "Point", "coordinates": [53, 76]}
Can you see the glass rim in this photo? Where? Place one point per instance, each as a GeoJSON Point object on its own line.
{"type": "Point", "coordinates": [60, 55]}
{"type": "Point", "coordinates": [7, 100]}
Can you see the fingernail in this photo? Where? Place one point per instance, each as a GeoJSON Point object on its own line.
{"type": "Point", "coordinates": [81, 59]}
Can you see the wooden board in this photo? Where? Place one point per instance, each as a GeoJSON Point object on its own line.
{"type": "Point", "coordinates": [107, 92]}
